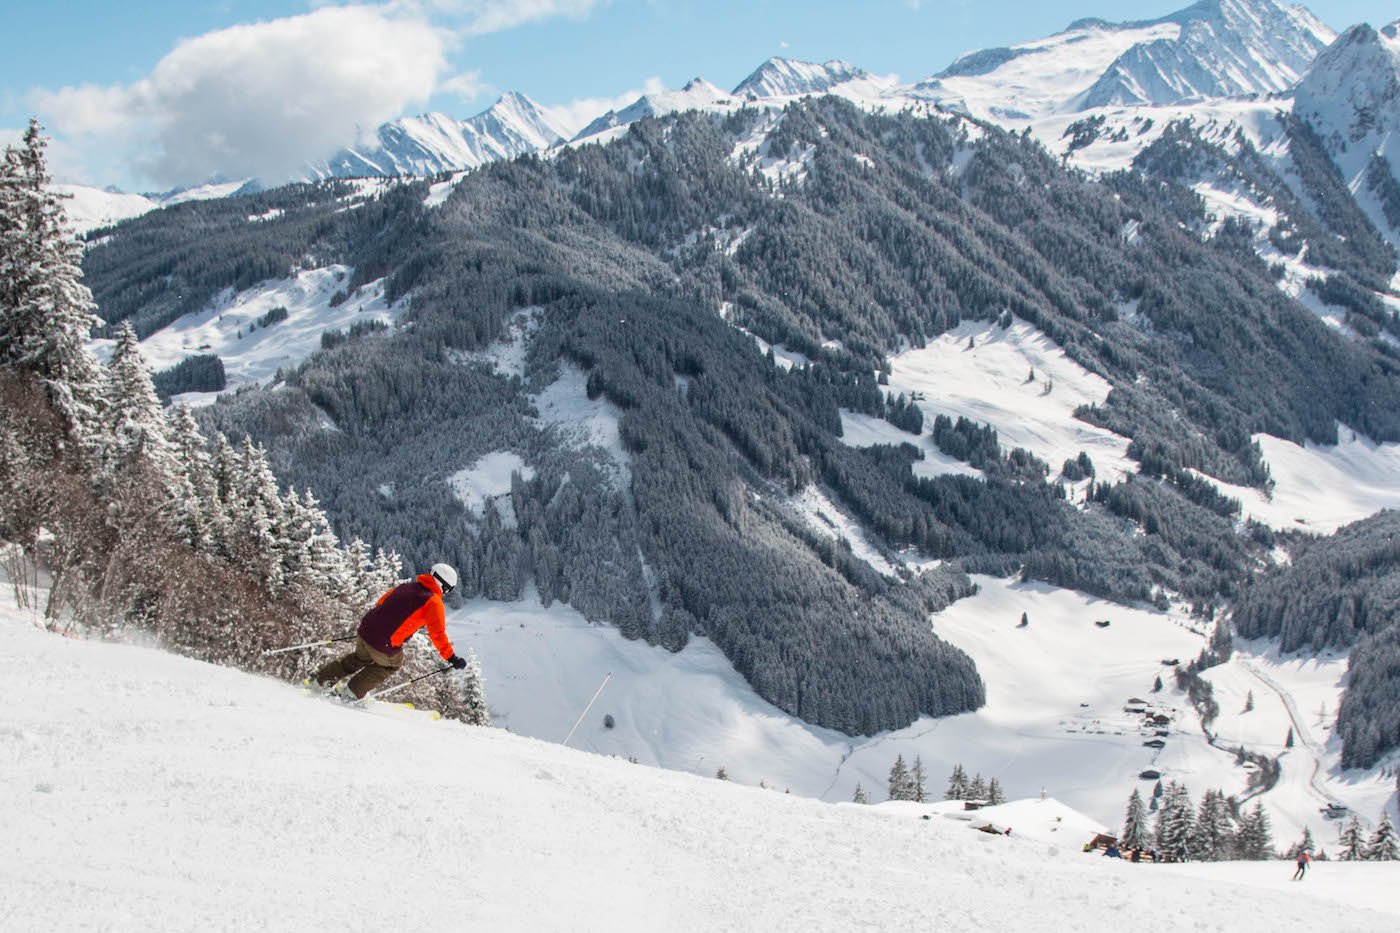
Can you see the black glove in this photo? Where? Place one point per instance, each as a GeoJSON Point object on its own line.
{"type": "Point", "coordinates": [457, 661]}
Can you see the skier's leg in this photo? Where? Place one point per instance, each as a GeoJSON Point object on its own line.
{"type": "Point", "coordinates": [339, 669]}
{"type": "Point", "coordinates": [376, 669]}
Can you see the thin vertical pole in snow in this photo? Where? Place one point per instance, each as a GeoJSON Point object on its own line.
{"type": "Point", "coordinates": [588, 707]}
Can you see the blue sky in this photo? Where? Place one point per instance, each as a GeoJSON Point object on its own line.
{"type": "Point", "coordinates": [104, 76]}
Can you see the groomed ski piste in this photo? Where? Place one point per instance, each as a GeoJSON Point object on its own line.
{"type": "Point", "coordinates": [150, 791]}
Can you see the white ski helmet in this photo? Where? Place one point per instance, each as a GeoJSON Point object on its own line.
{"type": "Point", "coordinates": [446, 576]}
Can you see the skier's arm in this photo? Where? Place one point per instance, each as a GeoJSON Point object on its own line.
{"type": "Point", "coordinates": [437, 629]}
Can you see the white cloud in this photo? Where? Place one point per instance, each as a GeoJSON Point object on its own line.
{"type": "Point", "coordinates": [260, 99]}
{"type": "Point", "coordinates": [467, 85]}
{"type": "Point", "coordinates": [578, 113]}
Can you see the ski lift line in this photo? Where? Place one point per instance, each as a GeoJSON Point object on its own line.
{"type": "Point", "coordinates": [588, 707]}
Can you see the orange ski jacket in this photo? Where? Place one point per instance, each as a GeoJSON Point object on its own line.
{"type": "Point", "coordinates": [404, 610]}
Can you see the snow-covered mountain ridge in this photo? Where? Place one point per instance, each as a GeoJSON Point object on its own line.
{"type": "Point", "coordinates": [169, 789]}
{"type": "Point", "coordinates": [426, 145]}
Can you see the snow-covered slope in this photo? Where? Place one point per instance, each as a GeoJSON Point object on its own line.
{"type": "Point", "coordinates": [149, 791]}
{"type": "Point", "coordinates": [1226, 48]}
{"type": "Point", "coordinates": [1216, 48]}
{"type": "Point", "coordinates": [252, 354]}
{"type": "Point", "coordinates": [88, 208]}
{"type": "Point", "coordinates": [698, 94]}
{"type": "Point", "coordinates": [426, 145]}
{"type": "Point", "coordinates": [1351, 97]}
{"type": "Point", "coordinates": [785, 77]}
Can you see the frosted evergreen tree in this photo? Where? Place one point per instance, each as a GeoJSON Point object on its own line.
{"type": "Point", "coordinates": [957, 784]}
{"type": "Point", "coordinates": [995, 795]}
{"type": "Point", "coordinates": [1255, 837]}
{"type": "Point", "coordinates": [360, 567]}
{"type": "Point", "coordinates": [46, 313]}
{"type": "Point", "coordinates": [1214, 831]}
{"type": "Point", "coordinates": [475, 711]}
{"type": "Point", "coordinates": [328, 562]}
{"type": "Point", "coordinates": [859, 796]}
{"type": "Point", "coordinates": [1352, 841]}
{"type": "Point", "coordinates": [135, 422]}
{"type": "Point", "coordinates": [1288, 742]}
{"type": "Point", "coordinates": [901, 786]}
{"type": "Point", "coordinates": [977, 789]}
{"type": "Point", "coordinates": [916, 781]}
{"type": "Point", "coordinates": [385, 572]}
{"type": "Point", "coordinates": [722, 774]}
{"type": "Point", "coordinates": [196, 492]}
{"type": "Point", "coordinates": [264, 518]}
{"type": "Point", "coordinates": [1135, 831]}
{"type": "Point", "coordinates": [1175, 823]}
{"type": "Point", "coordinates": [1383, 845]}
{"type": "Point", "coordinates": [1249, 701]}
{"type": "Point", "coordinates": [1306, 844]}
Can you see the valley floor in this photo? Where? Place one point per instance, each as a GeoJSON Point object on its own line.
{"type": "Point", "coordinates": [149, 791]}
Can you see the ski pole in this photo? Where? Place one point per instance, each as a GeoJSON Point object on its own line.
{"type": "Point", "coordinates": [379, 693]}
{"type": "Point", "coordinates": [309, 644]}
{"type": "Point", "coordinates": [588, 707]}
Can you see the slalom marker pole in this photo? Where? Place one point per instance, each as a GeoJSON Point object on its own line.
{"type": "Point", "coordinates": [379, 693]}
{"type": "Point", "coordinates": [588, 707]}
{"type": "Point", "coordinates": [309, 644]}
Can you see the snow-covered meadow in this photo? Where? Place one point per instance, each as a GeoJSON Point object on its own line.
{"type": "Point", "coordinates": [252, 354]}
{"type": "Point", "coordinates": [154, 792]}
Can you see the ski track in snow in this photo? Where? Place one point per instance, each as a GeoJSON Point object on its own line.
{"type": "Point", "coordinates": [149, 791]}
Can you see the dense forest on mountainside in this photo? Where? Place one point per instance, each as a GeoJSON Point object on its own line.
{"type": "Point", "coordinates": [1342, 592]}
{"type": "Point", "coordinates": [885, 230]}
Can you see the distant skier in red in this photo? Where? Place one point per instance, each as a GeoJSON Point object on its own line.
{"type": "Point", "coordinates": [1303, 861]}
{"type": "Point", "coordinates": [398, 614]}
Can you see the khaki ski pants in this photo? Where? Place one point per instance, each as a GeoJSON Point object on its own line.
{"type": "Point", "coordinates": [367, 667]}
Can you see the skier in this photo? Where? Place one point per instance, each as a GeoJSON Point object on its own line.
{"type": "Point", "coordinates": [1303, 861]}
{"type": "Point", "coordinates": [393, 620]}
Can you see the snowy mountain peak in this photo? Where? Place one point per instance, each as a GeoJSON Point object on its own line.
{"type": "Point", "coordinates": [435, 142]}
{"type": "Point", "coordinates": [697, 93]}
{"type": "Point", "coordinates": [785, 77]}
{"type": "Point", "coordinates": [1226, 48]}
{"type": "Point", "coordinates": [1351, 94]}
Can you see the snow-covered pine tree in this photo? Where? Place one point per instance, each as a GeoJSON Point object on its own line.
{"type": "Point", "coordinates": [1305, 844]}
{"type": "Point", "coordinates": [328, 562]}
{"type": "Point", "coordinates": [1174, 824]}
{"type": "Point", "coordinates": [46, 313]}
{"type": "Point", "coordinates": [135, 422]}
{"type": "Point", "coordinates": [361, 567]}
{"type": "Point", "coordinates": [1383, 845]}
{"type": "Point", "coordinates": [1135, 832]}
{"type": "Point", "coordinates": [1249, 701]}
{"type": "Point", "coordinates": [957, 784]}
{"type": "Point", "coordinates": [472, 687]}
{"type": "Point", "coordinates": [859, 796]}
{"type": "Point", "coordinates": [1288, 742]}
{"type": "Point", "coordinates": [995, 795]}
{"type": "Point", "coordinates": [1254, 840]}
{"type": "Point", "coordinates": [1213, 836]}
{"type": "Point", "coordinates": [197, 495]}
{"type": "Point", "coordinates": [900, 784]}
{"type": "Point", "coordinates": [977, 789]}
{"type": "Point", "coordinates": [722, 774]}
{"type": "Point", "coordinates": [385, 572]}
{"type": "Point", "coordinates": [1352, 841]}
{"type": "Point", "coordinates": [916, 781]}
